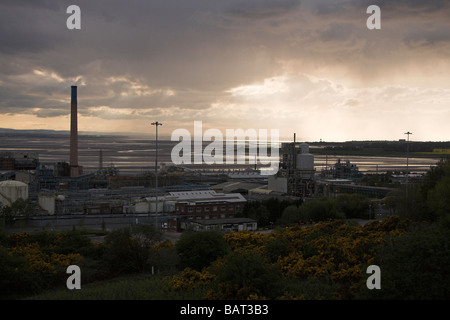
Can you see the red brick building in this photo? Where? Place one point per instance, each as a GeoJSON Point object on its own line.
{"type": "Point", "coordinates": [207, 204]}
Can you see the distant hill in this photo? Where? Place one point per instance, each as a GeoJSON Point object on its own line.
{"type": "Point", "coordinates": [383, 148]}
{"type": "Point", "coordinates": [45, 132]}
{"type": "Point", "coordinates": [28, 131]}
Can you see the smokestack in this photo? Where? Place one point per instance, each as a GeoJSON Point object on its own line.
{"type": "Point", "coordinates": [100, 161]}
{"type": "Point", "coordinates": [74, 170]}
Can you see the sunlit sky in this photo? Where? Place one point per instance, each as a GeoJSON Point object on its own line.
{"type": "Point", "coordinates": [307, 67]}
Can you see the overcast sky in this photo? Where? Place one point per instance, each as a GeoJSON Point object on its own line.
{"type": "Point", "coordinates": [309, 67]}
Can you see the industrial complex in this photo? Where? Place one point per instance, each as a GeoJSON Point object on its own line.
{"type": "Point", "coordinates": [172, 196]}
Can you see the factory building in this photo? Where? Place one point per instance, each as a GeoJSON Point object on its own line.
{"type": "Point", "coordinates": [343, 170]}
{"type": "Point", "coordinates": [202, 204]}
{"type": "Point", "coordinates": [18, 160]}
{"type": "Point", "coordinates": [11, 190]}
{"type": "Point", "coordinates": [295, 176]}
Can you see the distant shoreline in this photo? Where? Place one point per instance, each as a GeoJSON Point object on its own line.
{"type": "Point", "coordinates": [166, 137]}
{"type": "Point", "coordinates": [136, 154]}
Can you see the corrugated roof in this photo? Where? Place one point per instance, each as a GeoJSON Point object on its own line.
{"type": "Point", "coordinates": [224, 221]}
{"type": "Point", "coordinates": [204, 196]}
{"type": "Point", "coordinates": [12, 183]}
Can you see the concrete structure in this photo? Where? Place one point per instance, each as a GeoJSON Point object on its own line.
{"type": "Point", "coordinates": [47, 202]}
{"type": "Point", "coordinates": [296, 176]}
{"type": "Point", "coordinates": [305, 160]}
{"type": "Point", "coordinates": [148, 205]}
{"type": "Point", "coordinates": [277, 184]}
{"type": "Point", "coordinates": [226, 225]}
{"type": "Point", "coordinates": [11, 190]}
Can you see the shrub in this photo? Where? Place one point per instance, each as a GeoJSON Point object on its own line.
{"type": "Point", "coordinates": [198, 249]}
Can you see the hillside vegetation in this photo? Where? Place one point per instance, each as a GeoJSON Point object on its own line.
{"type": "Point", "coordinates": [325, 260]}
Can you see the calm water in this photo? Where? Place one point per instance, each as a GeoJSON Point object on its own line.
{"type": "Point", "coordinates": [134, 155]}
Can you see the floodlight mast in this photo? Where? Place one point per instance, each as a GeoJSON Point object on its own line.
{"type": "Point", "coordinates": [156, 123]}
{"type": "Point", "coordinates": [407, 166]}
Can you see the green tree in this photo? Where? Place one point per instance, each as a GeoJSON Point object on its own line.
{"type": "Point", "coordinates": [276, 207]}
{"type": "Point", "coordinates": [434, 176]}
{"type": "Point", "coordinates": [276, 248]}
{"type": "Point", "coordinates": [165, 260]}
{"type": "Point", "coordinates": [15, 278]}
{"type": "Point", "coordinates": [198, 249]}
{"type": "Point", "coordinates": [320, 210]}
{"type": "Point", "coordinates": [241, 274]}
{"type": "Point", "coordinates": [353, 205]}
{"type": "Point", "coordinates": [427, 201]}
{"type": "Point", "coordinates": [7, 215]}
{"type": "Point", "coordinates": [439, 198]}
{"type": "Point", "coordinates": [129, 249]}
{"type": "Point", "coordinates": [415, 266]}
{"type": "Point", "coordinates": [260, 214]}
{"type": "Point", "coordinates": [291, 215]}
{"type": "Point", "coordinates": [19, 208]}
{"type": "Point", "coordinates": [267, 211]}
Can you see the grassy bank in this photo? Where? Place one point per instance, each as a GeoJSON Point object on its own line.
{"type": "Point", "coordinates": [130, 287]}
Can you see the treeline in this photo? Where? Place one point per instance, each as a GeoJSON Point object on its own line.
{"type": "Point", "coordinates": [382, 147]}
{"type": "Point", "coordinates": [275, 212]}
{"type": "Point", "coordinates": [425, 200]}
{"type": "Point", "coordinates": [428, 200]}
{"type": "Point", "coordinates": [31, 263]}
{"type": "Point", "coordinates": [325, 261]}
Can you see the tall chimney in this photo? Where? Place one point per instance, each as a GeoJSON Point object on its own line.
{"type": "Point", "coordinates": [74, 170]}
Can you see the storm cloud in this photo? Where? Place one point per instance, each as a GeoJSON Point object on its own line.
{"type": "Point", "coordinates": [306, 66]}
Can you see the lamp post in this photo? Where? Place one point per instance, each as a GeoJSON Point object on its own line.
{"type": "Point", "coordinates": [407, 168]}
{"type": "Point", "coordinates": [407, 158]}
{"type": "Point", "coordinates": [156, 171]}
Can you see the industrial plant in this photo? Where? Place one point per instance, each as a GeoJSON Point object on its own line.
{"type": "Point", "coordinates": [173, 197]}
{"type": "Point", "coordinates": [296, 175]}
{"type": "Point", "coordinates": [65, 194]}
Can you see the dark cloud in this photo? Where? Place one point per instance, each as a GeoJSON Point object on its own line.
{"type": "Point", "coordinates": [408, 6]}
{"type": "Point", "coordinates": [30, 29]}
{"type": "Point", "coordinates": [134, 59]}
{"type": "Point", "coordinates": [262, 9]}
{"type": "Point", "coordinates": [395, 8]}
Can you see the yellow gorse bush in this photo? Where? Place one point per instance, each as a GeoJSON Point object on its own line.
{"type": "Point", "coordinates": [328, 249]}
{"type": "Point", "coordinates": [189, 279]}
{"type": "Point", "coordinates": [40, 261]}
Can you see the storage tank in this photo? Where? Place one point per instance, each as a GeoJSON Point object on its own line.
{"type": "Point", "coordinates": [11, 190]}
{"type": "Point", "coordinates": [304, 147]}
{"type": "Point", "coordinates": [47, 202]}
{"type": "Point", "coordinates": [305, 161]}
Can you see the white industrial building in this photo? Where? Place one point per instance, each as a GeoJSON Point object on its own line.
{"type": "Point", "coordinates": [296, 174]}
{"type": "Point", "coordinates": [11, 190]}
